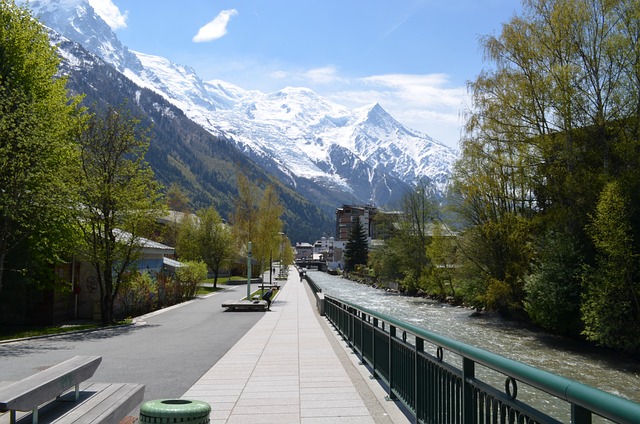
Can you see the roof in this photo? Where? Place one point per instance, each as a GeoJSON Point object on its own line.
{"type": "Point", "coordinates": [172, 262]}
{"type": "Point", "coordinates": [146, 244]}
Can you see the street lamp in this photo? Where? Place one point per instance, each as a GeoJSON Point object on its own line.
{"type": "Point", "coordinates": [249, 272]}
{"type": "Point", "coordinates": [281, 275]}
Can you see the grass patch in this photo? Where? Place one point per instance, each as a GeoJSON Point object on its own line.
{"type": "Point", "coordinates": [224, 280]}
{"type": "Point", "coordinates": [202, 290]}
{"type": "Point", "coordinates": [260, 292]}
{"type": "Point", "coordinates": [20, 332]}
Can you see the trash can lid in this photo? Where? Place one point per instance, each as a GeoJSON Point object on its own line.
{"type": "Point", "coordinates": [175, 408]}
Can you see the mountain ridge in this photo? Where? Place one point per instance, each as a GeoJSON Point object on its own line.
{"type": "Point", "coordinates": [293, 133]}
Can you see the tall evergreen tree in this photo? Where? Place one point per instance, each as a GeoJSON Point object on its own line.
{"type": "Point", "coordinates": [357, 249]}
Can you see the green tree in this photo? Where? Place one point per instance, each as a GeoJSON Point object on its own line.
{"type": "Point", "coordinates": [357, 248]}
{"type": "Point", "coordinates": [39, 123]}
{"type": "Point", "coordinates": [246, 213]}
{"type": "Point", "coordinates": [553, 291]}
{"type": "Point", "coordinates": [268, 228]}
{"type": "Point", "coordinates": [214, 241]}
{"type": "Point", "coordinates": [120, 200]}
{"type": "Point", "coordinates": [257, 219]}
{"type": "Point", "coordinates": [187, 246]}
{"type": "Point", "coordinates": [441, 255]}
{"type": "Point", "coordinates": [611, 307]}
{"type": "Point", "coordinates": [188, 277]}
{"type": "Point", "coordinates": [177, 199]}
{"type": "Point", "coordinates": [554, 118]}
{"type": "Point", "coordinates": [412, 236]}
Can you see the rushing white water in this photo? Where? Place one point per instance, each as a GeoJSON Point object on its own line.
{"type": "Point", "coordinates": [576, 360]}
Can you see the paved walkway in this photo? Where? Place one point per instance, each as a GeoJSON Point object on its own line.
{"type": "Point", "coordinates": [291, 368]}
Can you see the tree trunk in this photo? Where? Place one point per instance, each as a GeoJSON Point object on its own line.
{"type": "Point", "coordinates": [106, 302]}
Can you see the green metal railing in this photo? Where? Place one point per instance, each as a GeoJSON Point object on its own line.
{"type": "Point", "coordinates": [453, 391]}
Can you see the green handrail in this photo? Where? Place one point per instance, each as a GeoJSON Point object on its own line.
{"type": "Point", "coordinates": [585, 398]}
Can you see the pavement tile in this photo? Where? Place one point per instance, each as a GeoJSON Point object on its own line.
{"type": "Point", "coordinates": [360, 411]}
{"type": "Point", "coordinates": [336, 420]}
{"type": "Point", "coordinates": [264, 419]}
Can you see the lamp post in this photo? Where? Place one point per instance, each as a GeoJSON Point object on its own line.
{"type": "Point", "coordinates": [270, 270]}
{"type": "Point", "coordinates": [249, 271]}
{"type": "Point", "coordinates": [281, 275]}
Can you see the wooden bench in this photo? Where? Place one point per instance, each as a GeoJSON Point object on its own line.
{"type": "Point", "coordinates": [56, 395]}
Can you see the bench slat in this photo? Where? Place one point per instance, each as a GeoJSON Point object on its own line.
{"type": "Point", "coordinates": [100, 403]}
{"type": "Point", "coordinates": [30, 392]}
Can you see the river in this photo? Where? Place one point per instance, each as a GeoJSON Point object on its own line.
{"type": "Point", "coordinates": [576, 360]}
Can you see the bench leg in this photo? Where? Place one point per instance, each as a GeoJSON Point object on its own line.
{"type": "Point", "coordinates": [34, 416]}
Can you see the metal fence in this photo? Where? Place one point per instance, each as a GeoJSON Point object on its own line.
{"type": "Point", "coordinates": [411, 362]}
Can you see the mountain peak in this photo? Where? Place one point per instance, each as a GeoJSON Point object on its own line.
{"type": "Point", "coordinates": [79, 22]}
{"type": "Point", "coordinates": [293, 133]}
{"type": "Point", "coordinates": [374, 114]}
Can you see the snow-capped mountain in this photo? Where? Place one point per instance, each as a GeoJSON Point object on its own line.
{"type": "Point", "coordinates": [294, 132]}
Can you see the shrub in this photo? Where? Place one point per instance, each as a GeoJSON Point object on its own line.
{"type": "Point", "coordinates": [187, 279]}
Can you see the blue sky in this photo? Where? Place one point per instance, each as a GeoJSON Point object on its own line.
{"type": "Point", "coordinates": [413, 57]}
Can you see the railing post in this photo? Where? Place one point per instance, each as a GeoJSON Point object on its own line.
{"type": "Point", "coordinates": [580, 415]}
{"type": "Point", "coordinates": [468, 373]}
{"type": "Point", "coordinates": [350, 312]}
{"type": "Point", "coordinates": [363, 320]}
{"type": "Point", "coordinates": [373, 347]}
{"type": "Point", "coordinates": [392, 335]}
{"type": "Point", "coordinates": [417, 405]}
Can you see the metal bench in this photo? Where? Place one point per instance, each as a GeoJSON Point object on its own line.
{"type": "Point", "coordinates": [55, 395]}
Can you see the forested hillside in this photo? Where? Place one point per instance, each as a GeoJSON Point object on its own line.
{"type": "Point", "coordinates": [181, 152]}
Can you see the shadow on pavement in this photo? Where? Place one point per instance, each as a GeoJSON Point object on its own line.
{"type": "Point", "coordinates": [34, 345]}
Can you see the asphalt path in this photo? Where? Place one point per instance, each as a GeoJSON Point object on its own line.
{"type": "Point", "coordinates": [168, 352]}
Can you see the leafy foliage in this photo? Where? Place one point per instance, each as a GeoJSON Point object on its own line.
{"type": "Point", "coordinates": [119, 200]}
{"type": "Point", "coordinates": [257, 220]}
{"type": "Point", "coordinates": [611, 307]}
{"type": "Point", "coordinates": [205, 239]}
{"type": "Point", "coordinates": [38, 158]}
{"type": "Point", "coordinates": [554, 129]}
{"type": "Point", "coordinates": [187, 279]}
{"type": "Point", "coordinates": [553, 290]}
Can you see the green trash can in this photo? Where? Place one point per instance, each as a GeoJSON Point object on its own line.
{"type": "Point", "coordinates": [169, 411]}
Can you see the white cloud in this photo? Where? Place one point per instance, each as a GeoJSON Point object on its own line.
{"type": "Point", "coordinates": [425, 90]}
{"type": "Point", "coordinates": [215, 29]}
{"type": "Point", "coordinates": [110, 13]}
{"type": "Point", "coordinates": [317, 76]}
{"type": "Point", "coordinates": [324, 75]}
